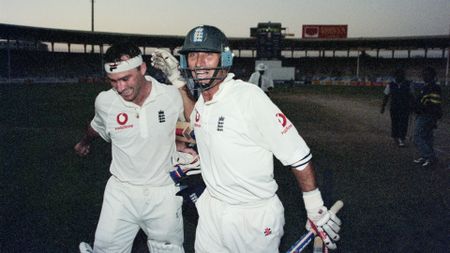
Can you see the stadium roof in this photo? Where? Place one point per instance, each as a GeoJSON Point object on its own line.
{"type": "Point", "coordinates": [16, 32]}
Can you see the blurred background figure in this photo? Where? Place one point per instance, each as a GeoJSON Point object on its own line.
{"type": "Point", "coordinates": [429, 111]}
{"type": "Point", "coordinates": [262, 78]}
{"type": "Point", "coordinates": [401, 100]}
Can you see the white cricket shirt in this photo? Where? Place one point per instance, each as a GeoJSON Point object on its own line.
{"type": "Point", "coordinates": [142, 138]}
{"type": "Point", "coordinates": [237, 134]}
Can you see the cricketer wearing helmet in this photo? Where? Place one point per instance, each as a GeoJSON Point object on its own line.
{"type": "Point", "coordinates": [238, 131]}
{"type": "Point", "coordinates": [138, 117]}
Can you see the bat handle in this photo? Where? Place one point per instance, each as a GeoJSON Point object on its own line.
{"type": "Point", "coordinates": [318, 242]}
{"type": "Point", "coordinates": [306, 239]}
{"type": "Point", "coordinates": [301, 243]}
{"type": "Point", "coordinates": [318, 245]}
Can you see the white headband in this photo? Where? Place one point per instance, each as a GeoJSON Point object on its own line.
{"type": "Point", "coordinates": [115, 67]}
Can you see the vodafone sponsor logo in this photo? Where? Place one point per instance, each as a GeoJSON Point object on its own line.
{"type": "Point", "coordinates": [283, 122]}
{"type": "Point", "coordinates": [282, 119]}
{"type": "Point", "coordinates": [197, 119]}
{"type": "Point", "coordinates": [122, 119]}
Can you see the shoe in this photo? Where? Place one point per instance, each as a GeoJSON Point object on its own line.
{"type": "Point", "coordinates": [419, 160]}
{"type": "Point", "coordinates": [427, 163]}
{"type": "Point", "coordinates": [401, 143]}
{"type": "Point", "coordinates": [85, 248]}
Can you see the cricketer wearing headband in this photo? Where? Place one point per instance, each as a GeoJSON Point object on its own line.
{"type": "Point", "coordinates": [138, 117]}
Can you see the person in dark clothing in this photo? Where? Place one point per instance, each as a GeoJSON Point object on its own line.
{"type": "Point", "coordinates": [401, 99]}
{"type": "Point", "coordinates": [429, 111]}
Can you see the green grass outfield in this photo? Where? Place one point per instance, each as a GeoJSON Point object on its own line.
{"type": "Point", "coordinates": [51, 199]}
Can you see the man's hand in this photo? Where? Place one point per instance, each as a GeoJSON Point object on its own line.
{"type": "Point", "coordinates": [168, 64]}
{"type": "Point", "coordinates": [185, 164]}
{"type": "Point", "coordinates": [82, 149]}
{"type": "Point", "coordinates": [322, 221]}
{"type": "Point", "coordinates": [326, 224]}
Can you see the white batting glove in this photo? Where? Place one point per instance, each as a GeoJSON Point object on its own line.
{"type": "Point", "coordinates": [322, 221]}
{"type": "Point", "coordinates": [168, 64]}
{"type": "Point", "coordinates": [186, 160]}
{"type": "Point", "coordinates": [184, 165]}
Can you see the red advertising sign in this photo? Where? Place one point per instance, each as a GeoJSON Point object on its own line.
{"type": "Point", "coordinates": [324, 31]}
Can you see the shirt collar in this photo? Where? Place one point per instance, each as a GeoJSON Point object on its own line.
{"type": "Point", "coordinates": [155, 91]}
{"type": "Point", "coordinates": [224, 87]}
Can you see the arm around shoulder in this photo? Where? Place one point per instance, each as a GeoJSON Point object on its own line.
{"type": "Point", "coordinates": [188, 102]}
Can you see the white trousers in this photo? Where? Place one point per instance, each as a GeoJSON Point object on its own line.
{"type": "Point", "coordinates": [126, 208]}
{"type": "Point", "coordinates": [225, 228]}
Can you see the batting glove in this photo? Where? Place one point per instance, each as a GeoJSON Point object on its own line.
{"type": "Point", "coordinates": [168, 64]}
{"type": "Point", "coordinates": [184, 165]}
{"type": "Point", "coordinates": [322, 221]}
{"type": "Point", "coordinates": [191, 193]}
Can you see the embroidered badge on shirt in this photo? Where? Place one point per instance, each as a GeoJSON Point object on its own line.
{"type": "Point", "coordinates": [161, 116]}
{"type": "Point", "coordinates": [220, 124]}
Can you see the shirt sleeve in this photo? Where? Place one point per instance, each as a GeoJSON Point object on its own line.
{"type": "Point", "coordinates": [98, 123]}
{"type": "Point", "coordinates": [277, 131]}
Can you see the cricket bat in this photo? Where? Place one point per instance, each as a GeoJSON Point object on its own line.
{"type": "Point", "coordinates": [319, 246]}
{"type": "Point", "coordinates": [301, 244]}
{"type": "Point", "coordinates": [184, 132]}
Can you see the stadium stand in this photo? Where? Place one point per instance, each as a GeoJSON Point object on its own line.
{"type": "Point", "coordinates": [44, 64]}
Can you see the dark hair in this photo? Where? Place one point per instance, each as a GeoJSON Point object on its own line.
{"type": "Point", "coordinates": [116, 51]}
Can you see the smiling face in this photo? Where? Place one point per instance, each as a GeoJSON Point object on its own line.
{"type": "Point", "coordinates": [130, 84]}
{"type": "Point", "coordinates": [203, 66]}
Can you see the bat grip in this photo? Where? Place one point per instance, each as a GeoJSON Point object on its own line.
{"type": "Point", "coordinates": [179, 132]}
{"type": "Point", "coordinates": [318, 242]}
{"type": "Point", "coordinates": [306, 239]}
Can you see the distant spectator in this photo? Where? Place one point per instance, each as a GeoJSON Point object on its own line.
{"type": "Point", "coordinates": [262, 78]}
{"type": "Point", "coordinates": [429, 111]}
{"type": "Point", "coordinates": [401, 99]}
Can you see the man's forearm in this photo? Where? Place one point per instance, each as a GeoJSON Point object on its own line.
{"type": "Point", "coordinates": [89, 136]}
{"type": "Point", "coordinates": [306, 178]}
{"type": "Point", "coordinates": [188, 102]}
